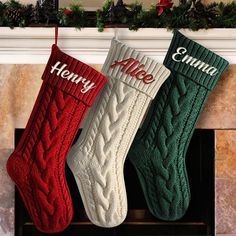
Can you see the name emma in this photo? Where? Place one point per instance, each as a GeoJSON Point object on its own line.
{"type": "Point", "coordinates": [66, 74]}
{"type": "Point", "coordinates": [180, 56]}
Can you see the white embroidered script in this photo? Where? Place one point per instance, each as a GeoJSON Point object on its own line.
{"type": "Point", "coordinates": [181, 56]}
{"type": "Point", "coordinates": [66, 74]}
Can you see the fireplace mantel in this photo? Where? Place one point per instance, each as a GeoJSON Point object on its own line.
{"type": "Point", "coordinates": [32, 45]}
{"type": "Point", "coordinates": [18, 91]}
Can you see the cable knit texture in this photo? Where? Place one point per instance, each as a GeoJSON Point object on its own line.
{"type": "Point", "coordinates": [159, 149]}
{"type": "Point", "coordinates": [37, 165]}
{"type": "Point", "coordinates": [97, 158]}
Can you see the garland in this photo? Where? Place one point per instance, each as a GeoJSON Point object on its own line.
{"type": "Point", "coordinates": [189, 14]}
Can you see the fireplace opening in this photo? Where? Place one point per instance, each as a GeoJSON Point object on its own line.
{"type": "Point", "coordinates": [199, 219]}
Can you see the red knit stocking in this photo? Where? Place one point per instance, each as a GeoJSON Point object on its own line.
{"type": "Point", "coordinates": [37, 165]}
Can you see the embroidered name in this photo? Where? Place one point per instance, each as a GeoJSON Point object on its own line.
{"type": "Point", "coordinates": [133, 68]}
{"type": "Point", "coordinates": [180, 56]}
{"type": "Point", "coordinates": [66, 74]}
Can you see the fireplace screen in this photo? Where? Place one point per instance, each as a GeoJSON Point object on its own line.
{"type": "Point", "coordinates": [199, 219]}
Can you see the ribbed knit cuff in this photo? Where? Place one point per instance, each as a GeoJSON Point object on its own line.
{"type": "Point", "coordinates": [194, 61]}
{"type": "Point", "coordinates": [134, 69]}
{"type": "Point", "coordinates": [73, 76]}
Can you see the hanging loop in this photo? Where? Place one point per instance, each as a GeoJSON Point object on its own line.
{"type": "Point", "coordinates": [56, 34]}
{"type": "Point", "coordinates": [116, 34]}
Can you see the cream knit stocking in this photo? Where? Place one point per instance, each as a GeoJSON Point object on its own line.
{"type": "Point", "coordinates": [97, 158]}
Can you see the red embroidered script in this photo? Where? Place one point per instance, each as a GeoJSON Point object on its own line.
{"type": "Point", "coordinates": [133, 68]}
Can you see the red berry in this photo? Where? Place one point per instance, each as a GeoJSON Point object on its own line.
{"type": "Point", "coordinates": [67, 12]}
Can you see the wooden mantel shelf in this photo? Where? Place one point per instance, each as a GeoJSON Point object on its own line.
{"type": "Point", "coordinates": [32, 45]}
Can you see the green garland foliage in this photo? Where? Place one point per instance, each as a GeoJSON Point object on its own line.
{"type": "Point", "coordinates": [226, 15]}
{"type": "Point", "coordinates": [2, 18]}
{"type": "Point", "coordinates": [100, 15]}
{"type": "Point", "coordinates": [13, 13]}
{"type": "Point", "coordinates": [186, 15]}
{"type": "Point", "coordinates": [72, 16]}
{"type": "Point", "coordinates": [190, 14]}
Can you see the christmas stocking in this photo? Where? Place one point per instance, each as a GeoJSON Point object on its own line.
{"type": "Point", "coordinates": [158, 152]}
{"type": "Point", "coordinates": [37, 165]}
{"type": "Point", "coordinates": [97, 159]}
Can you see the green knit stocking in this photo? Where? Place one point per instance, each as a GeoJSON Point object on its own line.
{"type": "Point", "coordinates": [159, 149]}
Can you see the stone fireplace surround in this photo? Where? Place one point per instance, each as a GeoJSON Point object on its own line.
{"type": "Point", "coordinates": [23, 53]}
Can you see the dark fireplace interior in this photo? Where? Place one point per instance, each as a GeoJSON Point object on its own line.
{"type": "Point", "coordinates": [199, 219]}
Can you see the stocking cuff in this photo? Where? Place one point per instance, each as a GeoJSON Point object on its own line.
{"type": "Point", "coordinates": [134, 69]}
{"type": "Point", "coordinates": [194, 61]}
{"type": "Point", "coordinates": [73, 76]}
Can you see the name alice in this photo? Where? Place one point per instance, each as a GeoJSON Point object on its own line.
{"type": "Point", "coordinates": [133, 68]}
